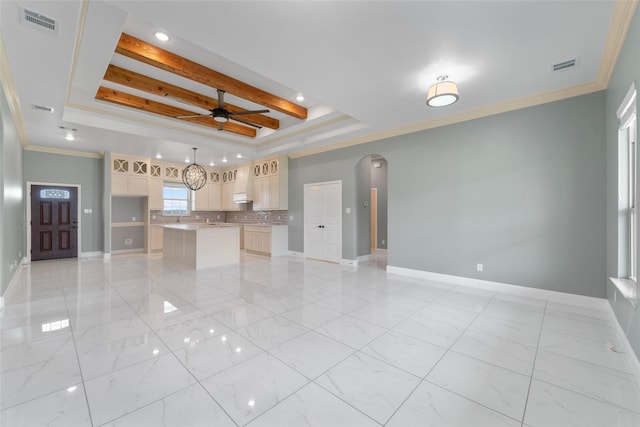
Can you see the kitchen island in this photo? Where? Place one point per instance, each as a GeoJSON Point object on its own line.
{"type": "Point", "coordinates": [201, 245]}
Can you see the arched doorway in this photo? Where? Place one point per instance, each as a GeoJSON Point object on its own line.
{"type": "Point", "coordinates": [371, 206]}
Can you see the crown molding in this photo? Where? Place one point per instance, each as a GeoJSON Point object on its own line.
{"type": "Point", "coordinates": [491, 110]}
{"type": "Point", "coordinates": [6, 77]}
{"type": "Point", "coordinates": [623, 12]}
{"type": "Point", "coordinates": [621, 20]}
{"type": "Point", "coordinates": [52, 150]}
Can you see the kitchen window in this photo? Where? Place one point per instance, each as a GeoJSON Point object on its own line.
{"type": "Point", "coordinates": [175, 199]}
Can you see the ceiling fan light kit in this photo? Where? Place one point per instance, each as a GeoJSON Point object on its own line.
{"type": "Point", "coordinates": [194, 176]}
{"type": "Point", "coordinates": [442, 93]}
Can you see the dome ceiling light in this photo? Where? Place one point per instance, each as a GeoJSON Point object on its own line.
{"type": "Point", "coordinates": [442, 93]}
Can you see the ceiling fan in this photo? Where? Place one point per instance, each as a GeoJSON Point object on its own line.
{"type": "Point", "coordinates": [222, 115]}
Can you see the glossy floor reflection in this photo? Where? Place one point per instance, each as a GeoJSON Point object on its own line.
{"type": "Point", "coordinates": [289, 342]}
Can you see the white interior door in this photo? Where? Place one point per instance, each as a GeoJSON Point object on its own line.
{"type": "Point", "coordinates": [323, 221]}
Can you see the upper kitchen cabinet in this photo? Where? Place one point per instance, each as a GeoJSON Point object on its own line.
{"type": "Point", "coordinates": [156, 179]}
{"type": "Point", "coordinates": [271, 184]}
{"type": "Point", "coordinates": [209, 197]}
{"type": "Point", "coordinates": [129, 176]}
{"type": "Point", "coordinates": [229, 178]}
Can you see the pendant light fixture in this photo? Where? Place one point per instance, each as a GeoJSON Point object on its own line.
{"type": "Point", "coordinates": [442, 93]}
{"type": "Point", "coordinates": [194, 177]}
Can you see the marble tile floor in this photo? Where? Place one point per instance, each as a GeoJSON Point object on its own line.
{"type": "Point", "coordinates": [134, 341]}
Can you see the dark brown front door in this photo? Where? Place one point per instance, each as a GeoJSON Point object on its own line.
{"type": "Point", "coordinates": [54, 222]}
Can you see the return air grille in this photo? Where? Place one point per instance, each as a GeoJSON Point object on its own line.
{"type": "Point", "coordinates": [42, 107]}
{"type": "Point", "coordinates": [36, 20]}
{"type": "Point", "coordinates": [564, 65]}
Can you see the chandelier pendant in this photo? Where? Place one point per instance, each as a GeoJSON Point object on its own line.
{"type": "Point", "coordinates": [194, 176]}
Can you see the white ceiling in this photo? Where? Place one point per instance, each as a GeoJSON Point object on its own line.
{"type": "Point", "coordinates": [364, 67]}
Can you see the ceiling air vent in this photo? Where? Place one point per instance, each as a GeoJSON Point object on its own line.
{"type": "Point", "coordinates": [36, 20]}
{"type": "Point", "coordinates": [42, 107]}
{"type": "Point", "coordinates": [565, 65]}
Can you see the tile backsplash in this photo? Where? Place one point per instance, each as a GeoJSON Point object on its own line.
{"type": "Point", "coordinates": [242, 217]}
{"type": "Point", "coordinates": [259, 217]}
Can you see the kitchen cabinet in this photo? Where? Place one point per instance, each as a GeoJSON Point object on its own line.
{"type": "Point", "coordinates": [270, 240]}
{"type": "Point", "coordinates": [228, 180]}
{"type": "Point", "coordinates": [270, 184]}
{"type": "Point", "coordinates": [155, 195]}
{"type": "Point", "coordinates": [129, 176]}
{"type": "Point", "coordinates": [209, 197]}
{"type": "Point", "coordinates": [156, 238]}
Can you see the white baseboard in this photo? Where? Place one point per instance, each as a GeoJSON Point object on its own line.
{"type": "Point", "coordinates": [12, 283]}
{"type": "Point", "coordinates": [106, 256]}
{"type": "Point", "coordinates": [363, 258]}
{"type": "Point", "coordinates": [555, 296]}
{"type": "Point", "coordinates": [623, 344]}
{"type": "Point", "coordinates": [296, 254]}
{"type": "Point", "coordinates": [352, 262]}
{"type": "Point", "coordinates": [93, 254]}
{"type": "Point", "coordinates": [128, 251]}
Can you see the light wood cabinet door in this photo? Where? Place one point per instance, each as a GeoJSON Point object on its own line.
{"type": "Point", "coordinates": [155, 195]}
{"type": "Point", "coordinates": [119, 184]}
{"type": "Point", "coordinates": [215, 196]}
{"type": "Point", "coordinates": [248, 240]}
{"type": "Point", "coordinates": [200, 199]}
{"type": "Point", "coordinates": [156, 239]}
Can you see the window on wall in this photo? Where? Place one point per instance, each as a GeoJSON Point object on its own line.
{"type": "Point", "coordinates": [626, 282]}
{"type": "Point", "coordinates": [176, 198]}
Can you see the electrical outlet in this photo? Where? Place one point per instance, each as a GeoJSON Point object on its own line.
{"type": "Point", "coordinates": [133, 218]}
{"type": "Point", "coordinates": [290, 217]}
{"type": "Point", "coordinates": [153, 217]}
{"type": "Point", "coordinates": [128, 242]}
{"type": "Point", "coordinates": [480, 267]}
{"type": "Point", "coordinates": [383, 241]}
{"type": "Point", "coordinates": [218, 216]}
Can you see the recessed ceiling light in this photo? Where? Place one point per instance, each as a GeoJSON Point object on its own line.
{"type": "Point", "coordinates": [186, 160]}
{"type": "Point", "coordinates": [238, 156]}
{"type": "Point", "coordinates": [224, 160]}
{"type": "Point", "coordinates": [212, 164]}
{"type": "Point", "coordinates": [161, 36]}
{"type": "Point", "coordinates": [158, 156]}
{"type": "Point", "coordinates": [69, 137]}
{"type": "Point", "coordinates": [300, 98]}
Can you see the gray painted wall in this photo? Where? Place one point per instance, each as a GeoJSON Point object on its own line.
{"type": "Point", "coordinates": [12, 203]}
{"type": "Point", "coordinates": [124, 209]}
{"type": "Point", "coordinates": [521, 192]}
{"type": "Point", "coordinates": [379, 181]}
{"type": "Point", "coordinates": [62, 169]}
{"type": "Point", "coordinates": [627, 71]}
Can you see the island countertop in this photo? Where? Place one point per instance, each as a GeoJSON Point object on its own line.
{"type": "Point", "coordinates": [198, 226]}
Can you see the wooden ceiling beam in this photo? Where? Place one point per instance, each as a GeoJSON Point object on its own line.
{"type": "Point", "coordinates": [143, 83]}
{"type": "Point", "coordinates": [142, 104]}
{"type": "Point", "coordinates": [142, 51]}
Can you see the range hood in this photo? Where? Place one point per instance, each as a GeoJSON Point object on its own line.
{"type": "Point", "coordinates": [243, 187]}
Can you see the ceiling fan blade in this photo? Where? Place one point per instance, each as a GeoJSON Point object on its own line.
{"type": "Point", "coordinates": [194, 116]}
{"type": "Point", "coordinates": [184, 101]}
{"type": "Point", "coordinates": [220, 98]}
{"type": "Point", "coordinates": [246, 123]}
{"type": "Point", "coordinates": [237, 113]}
